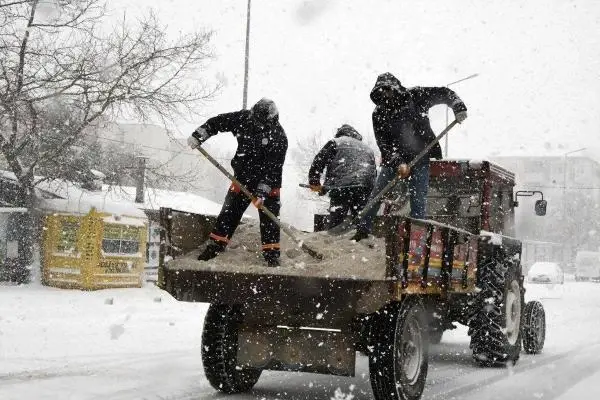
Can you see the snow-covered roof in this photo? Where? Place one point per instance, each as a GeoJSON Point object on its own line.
{"type": "Point", "coordinates": [77, 200]}
{"type": "Point", "coordinates": [117, 200]}
{"type": "Point", "coordinates": [9, 176]}
{"type": "Point", "coordinates": [122, 199]}
{"type": "Point", "coordinates": [12, 209]}
{"type": "Point", "coordinates": [157, 198]}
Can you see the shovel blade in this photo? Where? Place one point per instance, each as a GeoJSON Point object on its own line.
{"type": "Point", "coordinates": [311, 252]}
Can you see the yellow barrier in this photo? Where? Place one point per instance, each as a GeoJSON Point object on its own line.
{"type": "Point", "coordinates": [93, 251]}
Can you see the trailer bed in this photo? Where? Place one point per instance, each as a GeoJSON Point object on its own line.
{"type": "Point", "coordinates": [351, 278]}
{"type": "Point", "coordinates": [415, 257]}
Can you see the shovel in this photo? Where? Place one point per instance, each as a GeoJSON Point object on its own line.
{"type": "Point", "coordinates": [349, 223]}
{"type": "Point", "coordinates": [307, 186]}
{"type": "Point", "coordinates": [312, 252]}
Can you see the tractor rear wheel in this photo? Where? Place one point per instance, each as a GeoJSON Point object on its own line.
{"type": "Point", "coordinates": [219, 351]}
{"type": "Point", "coordinates": [495, 326]}
{"type": "Point", "coordinates": [399, 360]}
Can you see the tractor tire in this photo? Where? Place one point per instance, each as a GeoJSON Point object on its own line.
{"type": "Point", "coordinates": [219, 351]}
{"type": "Point", "coordinates": [534, 327]}
{"type": "Point", "coordinates": [495, 325]}
{"type": "Point", "coordinates": [399, 360]}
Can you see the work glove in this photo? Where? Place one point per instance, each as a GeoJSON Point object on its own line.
{"type": "Point", "coordinates": [198, 137]}
{"type": "Point", "coordinates": [403, 171]}
{"type": "Point", "coordinates": [460, 116]}
{"type": "Point", "coordinates": [317, 189]}
{"type": "Point", "coordinates": [262, 191]}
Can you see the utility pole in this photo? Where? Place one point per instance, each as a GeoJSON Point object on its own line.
{"type": "Point", "coordinates": [247, 59]}
{"type": "Point", "coordinates": [447, 85]}
{"type": "Point", "coordinates": [140, 179]}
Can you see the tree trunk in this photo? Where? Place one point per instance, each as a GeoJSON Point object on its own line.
{"type": "Point", "coordinates": [27, 234]}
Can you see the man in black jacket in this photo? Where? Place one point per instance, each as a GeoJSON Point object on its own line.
{"type": "Point", "coordinates": [350, 173]}
{"type": "Point", "coordinates": [258, 165]}
{"type": "Point", "coordinates": [402, 130]}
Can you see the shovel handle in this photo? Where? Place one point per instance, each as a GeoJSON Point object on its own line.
{"type": "Point", "coordinates": [395, 180]}
{"type": "Point", "coordinates": [313, 253]}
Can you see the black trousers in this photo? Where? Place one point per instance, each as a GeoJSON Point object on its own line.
{"type": "Point", "coordinates": [346, 200]}
{"type": "Point", "coordinates": [236, 203]}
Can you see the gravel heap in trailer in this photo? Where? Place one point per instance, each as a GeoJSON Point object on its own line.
{"type": "Point", "coordinates": [341, 256]}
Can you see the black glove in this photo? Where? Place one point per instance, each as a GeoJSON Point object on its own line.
{"type": "Point", "coordinates": [460, 116]}
{"type": "Point", "coordinates": [198, 137]}
{"type": "Point", "coordinates": [263, 190]}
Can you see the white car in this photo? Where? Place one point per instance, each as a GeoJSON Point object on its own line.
{"type": "Point", "coordinates": [544, 272]}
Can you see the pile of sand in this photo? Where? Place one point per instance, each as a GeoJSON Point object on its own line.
{"type": "Point", "coordinates": [342, 257]}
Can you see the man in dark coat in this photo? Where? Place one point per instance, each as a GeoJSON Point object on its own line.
{"type": "Point", "coordinates": [402, 130]}
{"type": "Point", "coordinates": [258, 165]}
{"type": "Point", "coordinates": [350, 173]}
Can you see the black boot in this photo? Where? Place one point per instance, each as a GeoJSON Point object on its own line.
{"type": "Point", "coordinates": [360, 235]}
{"type": "Point", "coordinates": [211, 251]}
{"type": "Point", "coordinates": [272, 259]}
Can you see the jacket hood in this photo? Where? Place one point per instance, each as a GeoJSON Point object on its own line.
{"type": "Point", "coordinates": [386, 80]}
{"type": "Point", "coordinates": [265, 111]}
{"type": "Point", "coordinates": [347, 130]}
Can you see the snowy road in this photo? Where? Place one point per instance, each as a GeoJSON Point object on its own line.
{"type": "Point", "coordinates": [74, 345]}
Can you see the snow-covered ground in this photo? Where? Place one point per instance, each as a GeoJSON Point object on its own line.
{"type": "Point", "coordinates": [142, 344]}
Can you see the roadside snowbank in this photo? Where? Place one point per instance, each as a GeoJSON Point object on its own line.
{"type": "Point", "coordinates": [41, 326]}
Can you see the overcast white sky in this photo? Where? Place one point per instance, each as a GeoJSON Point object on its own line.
{"type": "Point", "coordinates": [538, 89]}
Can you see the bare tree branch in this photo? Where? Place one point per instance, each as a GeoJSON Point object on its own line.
{"type": "Point", "coordinates": [13, 3]}
{"type": "Point", "coordinates": [23, 48]}
{"type": "Point", "coordinates": [60, 74]}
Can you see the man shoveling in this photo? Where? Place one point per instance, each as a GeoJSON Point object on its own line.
{"type": "Point", "coordinates": [350, 174]}
{"type": "Point", "coordinates": [258, 165]}
{"type": "Point", "coordinates": [402, 131]}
